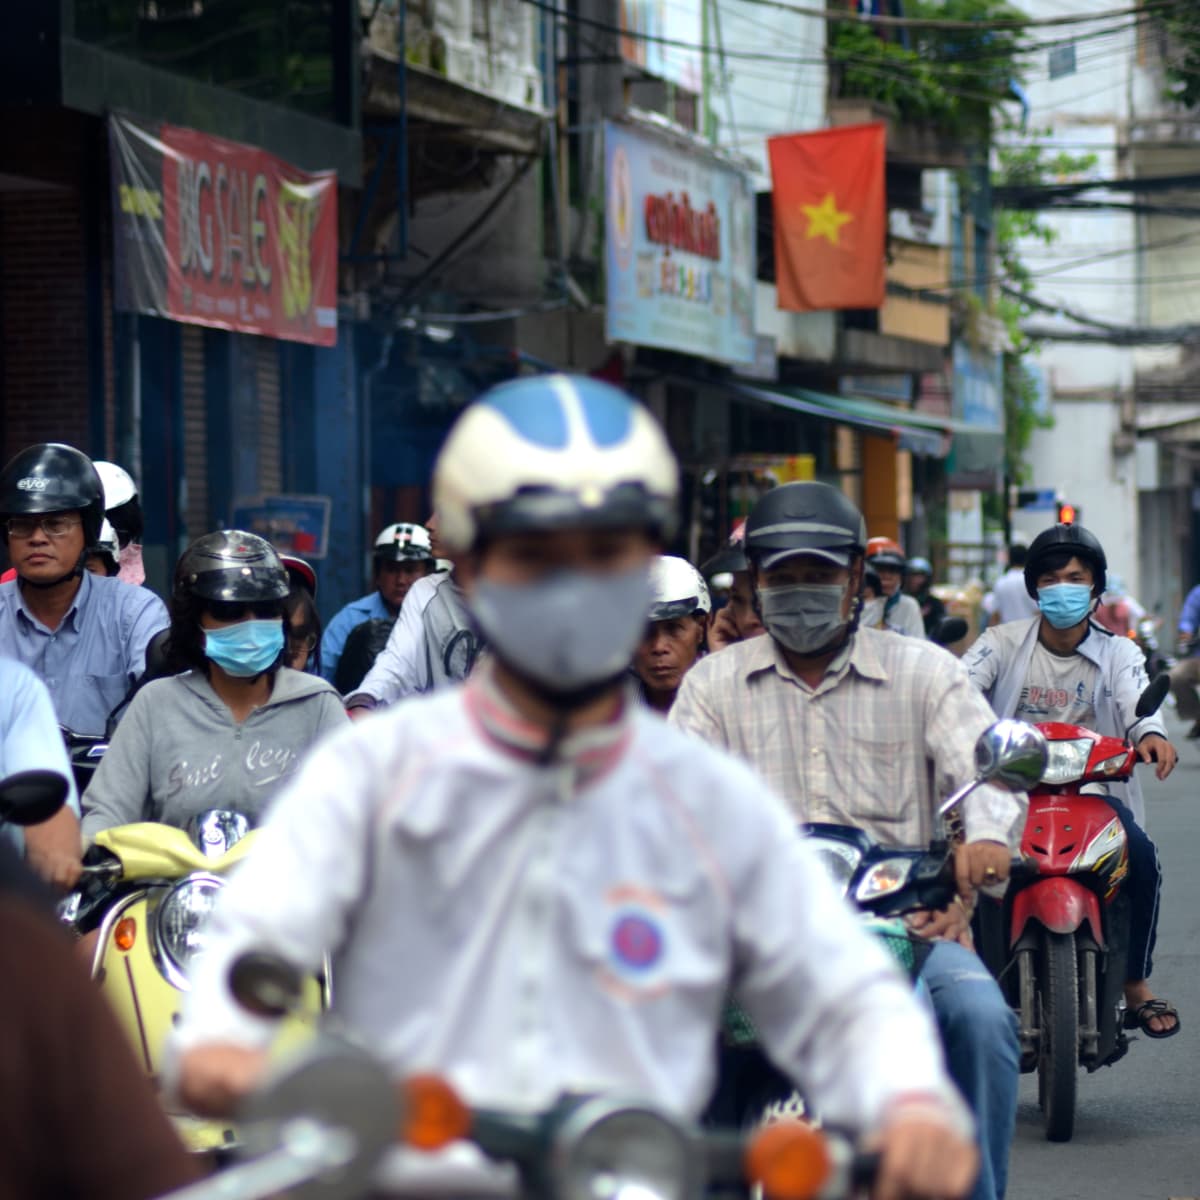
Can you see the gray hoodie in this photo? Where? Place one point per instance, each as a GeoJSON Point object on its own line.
{"type": "Point", "coordinates": [178, 752]}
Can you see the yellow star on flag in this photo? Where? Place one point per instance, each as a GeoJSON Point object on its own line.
{"type": "Point", "coordinates": [824, 219]}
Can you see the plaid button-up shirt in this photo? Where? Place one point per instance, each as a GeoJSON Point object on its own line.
{"type": "Point", "coordinates": [886, 735]}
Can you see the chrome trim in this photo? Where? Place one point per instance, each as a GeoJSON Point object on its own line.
{"type": "Point", "coordinates": [167, 966]}
{"type": "Point", "coordinates": [216, 831]}
{"type": "Point", "coordinates": [111, 917]}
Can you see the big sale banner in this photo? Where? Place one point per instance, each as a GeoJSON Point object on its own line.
{"type": "Point", "coordinates": [218, 233]}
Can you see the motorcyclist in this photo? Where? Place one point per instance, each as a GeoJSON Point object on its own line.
{"type": "Point", "coordinates": [1063, 666]}
{"type": "Point", "coordinates": [433, 643]}
{"type": "Point", "coordinates": [895, 610]}
{"type": "Point", "coordinates": [101, 557]}
{"type": "Point", "coordinates": [674, 637]}
{"type": "Point", "coordinates": [300, 613]}
{"type": "Point", "coordinates": [918, 581]}
{"type": "Point", "coordinates": [1010, 597]}
{"type": "Point", "coordinates": [735, 621]}
{"type": "Point", "coordinates": [229, 730]}
{"type": "Point", "coordinates": [123, 508]}
{"type": "Point", "coordinates": [403, 554]}
{"type": "Point", "coordinates": [83, 634]}
{"type": "Point", "coordinates": [30, 740]}
{"type": "Point", "coordinates": [1185, 675]}
{"type": "Point", "coordinates": [534, 887]}
{"type": "Point", "coordinates": [859, 727]}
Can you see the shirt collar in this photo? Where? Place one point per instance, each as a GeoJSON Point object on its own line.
{"type": "Point", "coordinates": [70, 619]}
{"type": "Point", "coordinates": [860, 656]}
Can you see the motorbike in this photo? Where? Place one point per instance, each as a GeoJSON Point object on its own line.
{"type": "Point", "coordinates": [885, 883]}
{"type": "Point", "coordinates": [85, 750]}
{"type": "Point", "coordinates": [148, 889]}
{"type": "Point", "coordinates": [322, 1124]}
{"type": "Point", "coordinates": [31, 797]}
{"type": "Point", "coordinates": [1065, 919]}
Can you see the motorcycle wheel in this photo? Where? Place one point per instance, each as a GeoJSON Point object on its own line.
{"type": "Point", "coordinates": [1059, 1058]}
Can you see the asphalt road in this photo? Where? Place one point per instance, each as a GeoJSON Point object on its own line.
{"type": "Point", "coordinates": [1137, 1128]}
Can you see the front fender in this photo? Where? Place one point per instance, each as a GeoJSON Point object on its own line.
{"type": "Point", "coordinates": [1058, 903]}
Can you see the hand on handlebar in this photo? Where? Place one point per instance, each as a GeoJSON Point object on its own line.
{"type": "Point", "coordinates": [980, 864]}
{"type": "Point", "coordinates": [921, 1156]}
{"type": "Point", "coordinates": [1156, 749]}
{"type": "Point", "coordinates": [214, 1078]}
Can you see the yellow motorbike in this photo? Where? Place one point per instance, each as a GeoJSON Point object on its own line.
{"type": "Point", "coordinates": [148, 889]}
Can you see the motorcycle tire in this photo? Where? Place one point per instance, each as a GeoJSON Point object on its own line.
{"type": "Point", "coordinates": [1059, 1059]}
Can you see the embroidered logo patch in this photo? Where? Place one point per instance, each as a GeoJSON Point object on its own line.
{"type": "Point", "coordinates": [637, 941]}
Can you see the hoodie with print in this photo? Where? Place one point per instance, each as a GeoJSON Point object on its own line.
{"type": "Point", "coordinates": [178, 750]}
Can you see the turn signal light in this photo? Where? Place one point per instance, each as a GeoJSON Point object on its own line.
{"type": "Point", "coordinates": [789, 1161]}
{"type": "Point", "coordinates": [433, 1116]}
{"type": "Point", "coordinates": [125, 934]}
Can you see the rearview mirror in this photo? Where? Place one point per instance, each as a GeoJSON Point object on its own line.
{"type": "Point", "coordinates": [1011, 755]}
{"type": "Point", "coordinates": [949, 631]}
{"type": "Point", "coordinates": [1151, 700]}
{"type": "Point", "coordinates": [265, 984]}
{"type": "Point", "coordinates": [31, 797]}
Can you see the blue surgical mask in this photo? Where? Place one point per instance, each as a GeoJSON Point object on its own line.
{"type": "Point", "coordinates": [1064, 605]}
{"type": "Point", "coordinates": [246, 649]}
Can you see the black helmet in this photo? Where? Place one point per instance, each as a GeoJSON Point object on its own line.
{"type": "Point", "coordinates": [804, 518]}
{"type": "Point", "coordinates": [52, 478]}
{"type": "Point", "coordinates": [231, 565]}
{"type": "Point", "coordinates": [1075, 542]}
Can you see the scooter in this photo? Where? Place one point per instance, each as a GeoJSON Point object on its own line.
{"type": "Point", "coordinates": [323, 1123]}
{"type": "Point", "coordinates": [149, 888]}
{"type": "Point", "coordinates": [1067, 917]}
{"type": "Point", "coordinates": [885, 883]}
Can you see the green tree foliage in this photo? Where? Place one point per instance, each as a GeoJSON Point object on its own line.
{"type": "Point", "coordinates": [1182, 27]}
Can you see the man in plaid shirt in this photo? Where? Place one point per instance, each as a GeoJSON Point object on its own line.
{"type": "Point", "coordinates": [860, 727]}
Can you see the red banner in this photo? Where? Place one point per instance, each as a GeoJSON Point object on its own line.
{"type": "Point", "coordinates": [217, 233]}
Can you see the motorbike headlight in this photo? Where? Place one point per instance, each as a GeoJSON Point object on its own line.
{"type": "Point", "coordinates": [886, 876]}
{"type": "Point", "coordinates": [840, 860]}
{"type": "Point", "coordinates": [607, 1150]}
{"type": "Point", "coordinates": [1067, 760]}
{"type": "Point", "coordinates": [181, 918]}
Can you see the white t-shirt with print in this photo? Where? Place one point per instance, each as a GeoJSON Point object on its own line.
{"type": "Point", "coordinates": [1059, 688]}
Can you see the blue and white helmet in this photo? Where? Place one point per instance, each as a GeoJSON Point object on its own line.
{"type": "Point", "coordinates": [553, 452]}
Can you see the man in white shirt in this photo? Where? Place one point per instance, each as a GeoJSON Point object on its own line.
{"type": "Point", "coordinates": [1010, 599]}
{"type": "Point", "coordinates": [529, 884]}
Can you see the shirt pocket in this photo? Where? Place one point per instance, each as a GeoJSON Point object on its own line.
{"type": "Point", "coordinates": [111, 689]}
{"type": "Point", "coordinates": [885, 795]}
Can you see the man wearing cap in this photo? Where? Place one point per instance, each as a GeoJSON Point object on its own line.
{"type": "Point", "coordinates": [85, 635]}
{"type": "Point", "coordinates": [403, 554]}
{"type": "Point", "coordinates": [857, 726]}
{"type": "Point", "coordinates": [737, 620]}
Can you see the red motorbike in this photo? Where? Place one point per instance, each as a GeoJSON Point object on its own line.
{"type": "Point", "coordinates": [1066, 916]}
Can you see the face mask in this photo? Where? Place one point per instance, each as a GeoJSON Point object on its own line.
{"type": "Point", "coordinates": [570, 629]}
{"type": "Point", "coordinates": [246, 649]}
{"type": "Point", "coordinates": [1065, 604]}
{"type": "Point", "coordinates": [804, 618]}
{"type": "Point", "coordinates": [129, 565]}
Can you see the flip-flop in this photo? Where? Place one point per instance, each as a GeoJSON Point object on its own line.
{"type": "Point", "coordinates": [1140, 1018]}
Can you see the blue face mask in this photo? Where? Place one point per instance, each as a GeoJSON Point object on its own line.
{"type": "Point", "coordinates": [246, 649]}
{"type": "Point", "coordinates": [1065, 604]}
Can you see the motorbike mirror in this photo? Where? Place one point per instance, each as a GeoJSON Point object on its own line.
{"type": "Point", "coordinates": [949, 631]}
{"type": "Point", "coordinates": [265, 984]}
{"type": "Point", "coordinates": [31, 797]}
{"type": "Point", "coordinates": [1151, 700]}
{"type": "Point", "coordinates": [1011, 755]}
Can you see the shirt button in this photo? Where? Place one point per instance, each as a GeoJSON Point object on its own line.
{"type": "Point", "coordinates": [815, 751]}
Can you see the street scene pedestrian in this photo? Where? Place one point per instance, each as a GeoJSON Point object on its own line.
{"type": "Point", "coordinates": [607, 597]}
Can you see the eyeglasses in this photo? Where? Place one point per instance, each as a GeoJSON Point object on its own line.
{"type": "Point", "coordinates": [302, 641]}
{"type": "Point", "coordinates": [52, 526]}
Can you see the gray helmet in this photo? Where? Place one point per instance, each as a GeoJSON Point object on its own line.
{"type": "Point", "coordinates": [804, 518]}
{"type": "Point", "coordinates": [231, 565]}
{"type": "Point", "coordinates": [51, 478]}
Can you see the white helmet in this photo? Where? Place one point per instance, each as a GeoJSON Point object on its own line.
{"type": "Point", "coordinates": [118, 484]}
{"type": "Point", "coordinates": [404, 543]}
{"type": "Point", "coordinates": [553, 452]}
{"type": "Point", "coordinates": [107, 541]}
{"type": "Point", "coordinates": [679, 589]}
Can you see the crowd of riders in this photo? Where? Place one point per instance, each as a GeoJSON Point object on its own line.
{"type": "Point", "coordinates": [548, 871]}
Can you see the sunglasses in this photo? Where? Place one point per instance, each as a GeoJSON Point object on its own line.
{"type": "Point", "coordinates": [238, 610]}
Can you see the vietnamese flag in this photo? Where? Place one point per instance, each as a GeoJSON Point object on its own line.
{"type": "Point", "coordinates": [830, 217]}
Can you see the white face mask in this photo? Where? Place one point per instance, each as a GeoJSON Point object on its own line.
{"type": "Point", "coordinates": [570, 629]}
{"type": "Point", "coordinates": [129, 564]}
{"type": "Point", "coordinates": [805, 617]}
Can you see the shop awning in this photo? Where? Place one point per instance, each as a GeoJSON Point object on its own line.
{"type": "Point", "coordinates": [920, 433]}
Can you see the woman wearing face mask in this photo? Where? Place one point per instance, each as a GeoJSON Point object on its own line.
{"type": "Point", "coordinates": [1063, 666]}
{"type": "Point", "coordinates": [232, 726]}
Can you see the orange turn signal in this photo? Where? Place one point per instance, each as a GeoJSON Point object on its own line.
{"type": "Point", "coordinates": [125, 934]}
{"type": "Point", "coordinates": [789, 1160]}
{"type": "Point", "coordinates": [433, 1115]}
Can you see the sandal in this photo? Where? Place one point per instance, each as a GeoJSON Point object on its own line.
{"type": "Point", "coordinates": [1140, 1018]}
